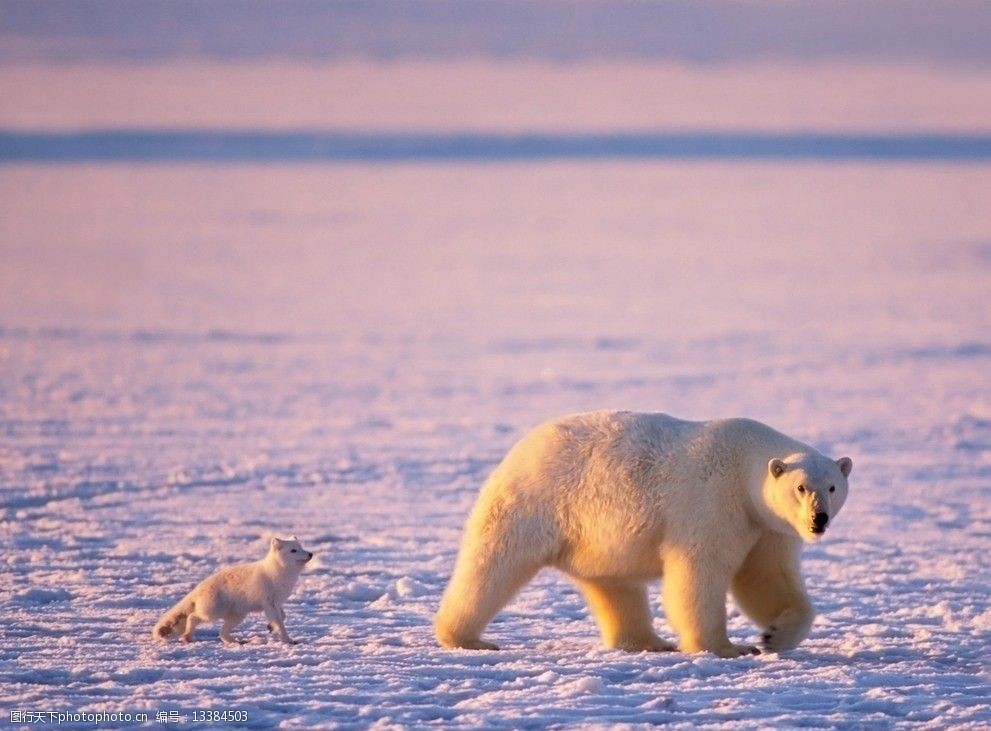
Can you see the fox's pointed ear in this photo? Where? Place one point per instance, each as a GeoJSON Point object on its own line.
{"type": "Point", "coordinates": [845, 464]}
{"type": "Point", "coordinates": [776, 467]}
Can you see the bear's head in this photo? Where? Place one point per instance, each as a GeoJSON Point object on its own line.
{"type": "Point", "coordinates": [806, 491]}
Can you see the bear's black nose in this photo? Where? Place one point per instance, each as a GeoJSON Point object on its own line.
{"type": "Point", "coordinates": [820, 520]}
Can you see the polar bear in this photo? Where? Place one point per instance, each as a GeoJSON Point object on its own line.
{"type": "Point", "coordinates": [615, 499]}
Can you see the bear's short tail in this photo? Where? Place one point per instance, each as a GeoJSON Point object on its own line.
{"type": "Point", "coordinates": [173, 622]}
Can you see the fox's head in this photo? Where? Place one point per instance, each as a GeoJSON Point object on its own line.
{"type": "Point", "coordinates": [288, 551]}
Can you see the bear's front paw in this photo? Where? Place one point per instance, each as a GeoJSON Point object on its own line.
{"type": "Point", "coordinates": [778, 639]}
{"type": "Point", "coordinates": [735, 650]}
{"type": "Point", "coordinates": [476, 645]}
{"type": "Point", "coordinates": [645, 644]}
{"type": "Point", "coordinates": [787, 631]}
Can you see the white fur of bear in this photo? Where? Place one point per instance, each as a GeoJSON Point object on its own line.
{"type": "Point", "coordinates": [616, 499]}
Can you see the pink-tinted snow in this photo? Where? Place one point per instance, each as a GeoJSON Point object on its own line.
{"type": "Point", "coordinates": [193, 357]}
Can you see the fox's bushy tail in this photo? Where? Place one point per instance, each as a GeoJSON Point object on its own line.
{"type": "Point", "coordinates": [173, 622]}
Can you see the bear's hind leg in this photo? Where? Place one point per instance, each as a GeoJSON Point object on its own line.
{"type": "Point", "coordinates": [477, 591]}
{"type": "Point", "coordinates": [623, 613]}
{"type": "Point", "coordinates": [695, 605]}
{"type": "Point", "coordinates": [770, 590]}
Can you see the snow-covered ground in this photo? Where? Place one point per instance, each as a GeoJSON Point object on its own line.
{"type": "Point", "coordinates": [194, 357]}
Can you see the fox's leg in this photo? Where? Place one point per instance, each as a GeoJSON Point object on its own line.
{"type": "Point", "coordinates": [275, 615]}
{"type": "Point", "coordinates": [230, 622]}
{"type": "Point", "coordinates": [191, 621]}
{"type": "Point", "coordinates": [271, 628]}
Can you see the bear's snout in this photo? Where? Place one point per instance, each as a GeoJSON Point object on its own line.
{"type": "Point", "coordinates": [819, 522]}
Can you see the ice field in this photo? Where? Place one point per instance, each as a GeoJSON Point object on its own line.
{"type": "Point", "coordinates": [193, 357]}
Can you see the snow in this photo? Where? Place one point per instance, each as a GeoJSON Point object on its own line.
{"type": "Point", "coordinates": [193, 358]}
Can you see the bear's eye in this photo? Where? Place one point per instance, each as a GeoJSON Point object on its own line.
{"type": "Point", "coordinates": [293, 551]}
{"type": "Point", "coordinates": [801, 488]}
{"type": "Point", "coordinates": [832, 488]}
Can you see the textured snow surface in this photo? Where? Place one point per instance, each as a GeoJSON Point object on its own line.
{"type": "Point", "coordinates": [193, 358]}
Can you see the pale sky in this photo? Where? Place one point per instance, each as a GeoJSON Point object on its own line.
{"type": "Point", "coordinates": [696, 31]}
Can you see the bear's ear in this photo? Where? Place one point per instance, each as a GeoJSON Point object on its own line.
{"type": "Point", "coordinates": [845, 464]}
{"type": "Point", "coordinates": [276, 544]}
{"type": "Point", "coordinates": [776, 467]}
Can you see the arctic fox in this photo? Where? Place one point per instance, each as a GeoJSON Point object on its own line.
{"type": "Point", "coordinates": [231, 593]}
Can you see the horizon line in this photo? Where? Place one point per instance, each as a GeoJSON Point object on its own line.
{"type": "Point", "coordinates": [242, 145]}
